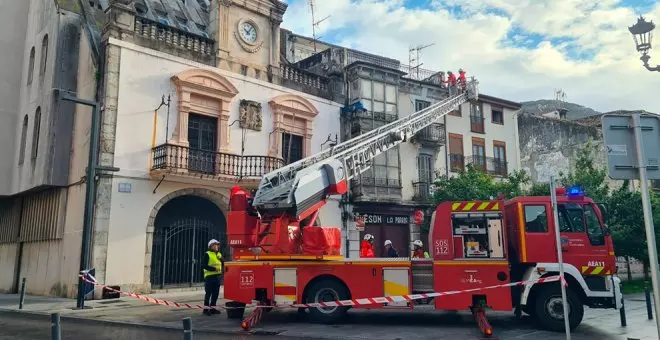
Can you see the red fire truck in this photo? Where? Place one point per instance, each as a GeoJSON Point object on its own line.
{"type": "Point", "coordinates": [282, 257]}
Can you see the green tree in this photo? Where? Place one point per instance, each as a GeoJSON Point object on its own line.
{"type": "Point", "coordinates": [591, 178]}
{"type": "Point", "coordinates": [626, 222]}
{"type": "Point", "coordinates": [474, 184]}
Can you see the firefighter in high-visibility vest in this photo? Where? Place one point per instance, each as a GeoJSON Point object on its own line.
{"type": "Point", "coordinates": [212, 266]}
{"type": "Point", "coordinates": [462, 82]}
{"type": "Point", "coordinates": [367, 246]}
{"type": "Point", "coordinates": [418, 250]}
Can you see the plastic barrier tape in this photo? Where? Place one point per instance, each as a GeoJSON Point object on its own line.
{"type": "Point", "coordinates": [354, 302]}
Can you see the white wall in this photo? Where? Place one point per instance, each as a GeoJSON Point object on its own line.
{"type": "Point", "coordinates": [44, 19]}
{"type": "Point", "coordinates": [505, 133]}
{"type": "Point", "coordinates": [14, 55]}
{"type": "Point", "coordinates": [144, 79]}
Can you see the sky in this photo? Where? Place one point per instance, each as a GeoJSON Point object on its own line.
{"type": "Point", "coordinates": [518, 49]}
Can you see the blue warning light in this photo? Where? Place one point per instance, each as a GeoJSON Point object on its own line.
{"type": "Point", "coordinates": [575, 191]}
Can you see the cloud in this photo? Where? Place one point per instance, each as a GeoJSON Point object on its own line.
{"type": "Point", "coordinates": [518, 49]}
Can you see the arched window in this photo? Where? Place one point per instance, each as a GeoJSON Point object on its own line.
{"type": "Point", "coordinates": [35, 133]}
{"type": "Point", "coordinates": [44, 54]}
{"type": "Point", "coordinates": [21, 153]}
{"type": "Point", "coordinates": [31, 67]}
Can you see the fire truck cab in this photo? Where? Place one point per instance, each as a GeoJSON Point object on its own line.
{"type": "Point", "coordinates": [587, 253]}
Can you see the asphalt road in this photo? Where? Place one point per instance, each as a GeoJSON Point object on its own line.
{"type": "Point", "coordinates": [33, 327]}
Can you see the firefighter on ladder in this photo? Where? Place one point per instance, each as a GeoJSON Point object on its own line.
{"type": "Point", "coordinates": [418, 250]}
{"type": "Point", "coordinates": [367, 246]}
{"type": "Point", "coordinates": [213, 264]}
{"type": "Point", "coordinates": [451, 82]}
{"type": "Point", "coordinates": [462, 82]}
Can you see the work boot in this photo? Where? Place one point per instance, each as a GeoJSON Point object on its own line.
{"type": "Point", "coordinates": [207, 312]}
{"type": "Point", "coordinates": [215, 311]}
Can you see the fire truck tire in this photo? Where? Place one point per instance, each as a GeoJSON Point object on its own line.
{"type": "Point", "coordinates": [325, 291]}
{"type": "Point", "coordinates": [235, 310]}
{"type": "Point", "coordinates": [548, 307]}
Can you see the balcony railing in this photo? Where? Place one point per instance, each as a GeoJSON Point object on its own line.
{"type": "Point", "coordinates": [154, 30]}
{"type": "Point", "coordinates": [379, 187]}
{"type": "Point", "coordinates": [493, 166]}
{"type": "Point", "coordinates": [303, 77]}
{"type": "Point", "coordinates": [382, 116]}
{"type": "Point", "coordinates": [422, 192]}
{"type": "Point", "coordinates": [456, 162]}
{"type": "Point", "coordinates": [194, 161]}
{"type": "Point", "coordinates": [432, 135]}
{"type": "Point", "coordinates": [477, 124]}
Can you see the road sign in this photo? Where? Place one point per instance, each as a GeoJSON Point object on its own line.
{"type": "Point", "coordinates": [619, 138]}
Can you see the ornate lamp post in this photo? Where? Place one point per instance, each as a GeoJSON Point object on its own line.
{"type": "Point", "coordinates": [642, 33]}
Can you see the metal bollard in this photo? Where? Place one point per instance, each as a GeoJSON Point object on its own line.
{"type": "Point", "coordinates": [22, 299]}
{"type": "Point", "coordinates": [55, 330]}
{"type": "Point", "coordinates": [622, 314]}
{"type": "Point", "coordinates": [649, 308]}
{"type": "Point", "coordinates": [187, 329]}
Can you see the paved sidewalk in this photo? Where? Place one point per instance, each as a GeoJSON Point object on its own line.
{"type": "Point", "coordinates": [360, 324]}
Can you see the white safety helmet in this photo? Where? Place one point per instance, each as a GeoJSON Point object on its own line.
{"type": "Point", "coordinates": [368, 237]}
{"type": "Point", "coordinates": [418, 243]}
{"type": "Point", "coordinates": [388, 243]}
{"type": "Point", "coordinates": [212, 242]}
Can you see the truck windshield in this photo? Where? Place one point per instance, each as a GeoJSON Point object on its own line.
{"type": "Point", "coordinates": [594, 229]}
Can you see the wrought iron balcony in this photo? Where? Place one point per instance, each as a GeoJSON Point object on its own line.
{"type": "Point", "coordinates": [432, 135]}
{"type": "Point", "coordinates": [422, 192]}
{"type": "Point", "coordinates": [376, 187]}
{"type": "Point", "coordinates": [456, 162]}
{"type": "Point", "coordinates": [493, 166]}
{"type": "Point", "coordinates": [194, 162]}
{"type": "Point", "coordinates": [477, 124]}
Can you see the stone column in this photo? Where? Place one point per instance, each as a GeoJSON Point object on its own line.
{"type": "Point", "coordinates": [224, 31]}
{"type": "Point", "coordinates": [120, 24]}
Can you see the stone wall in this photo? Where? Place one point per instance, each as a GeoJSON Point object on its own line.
{"type": "Point", "coordinates": [549, 146]}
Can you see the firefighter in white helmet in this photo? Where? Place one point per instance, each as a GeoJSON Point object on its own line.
{"type": "Point", "coordinates": [367, 246]}
{"type": "Point", "coordinates": [418, 250]}
{"type": "Point", "coordinates": [391, 252]}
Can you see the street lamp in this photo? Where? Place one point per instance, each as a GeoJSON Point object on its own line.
{"type": "Point", "coordinates": [642, 33]}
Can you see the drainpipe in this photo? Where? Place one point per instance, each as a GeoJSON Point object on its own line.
{"type": "Point", "coordinates": [516, 137]}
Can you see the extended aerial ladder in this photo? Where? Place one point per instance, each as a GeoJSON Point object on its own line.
{"type": "Point", "coordinates": [298, 187]}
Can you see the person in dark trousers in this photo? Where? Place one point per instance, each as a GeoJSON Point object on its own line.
{"type": "Point", "coordinates": [391, 252]}
{"type": "Point", "coordinates": [213, 264]}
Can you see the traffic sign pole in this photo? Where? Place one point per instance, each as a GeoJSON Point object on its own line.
{"type": "Point", "coordinates": [648, 216]}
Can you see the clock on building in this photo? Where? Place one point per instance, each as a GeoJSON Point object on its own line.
{"type": "Point", "coordinates": [247, 33]}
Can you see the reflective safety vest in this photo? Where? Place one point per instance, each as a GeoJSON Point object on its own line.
{"type": "Point", "coordinates": [420, 254]}
{"type": "Point", "coordinates": [214, 261]}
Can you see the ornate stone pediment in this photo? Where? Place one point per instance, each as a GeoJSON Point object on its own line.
{"type": "Point", "coordinates": [250, 115]}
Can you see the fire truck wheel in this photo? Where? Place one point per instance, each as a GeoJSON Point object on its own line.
{"type": "Point", "coordinates": [235, 310]}
{"type": "Point", "coordinates": [548, 309]}
{"type": "Point", "coordinates": [326, 291]}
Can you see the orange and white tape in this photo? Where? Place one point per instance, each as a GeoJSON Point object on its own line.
{"type": "Point", "coordinates": [352, 302]}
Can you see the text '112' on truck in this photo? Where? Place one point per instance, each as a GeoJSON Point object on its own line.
{"type": "Point", "coordinates": [495, 255]}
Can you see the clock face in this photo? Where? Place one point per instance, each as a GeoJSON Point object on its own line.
{"type": "Point", "coordinates": [248, 32]}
